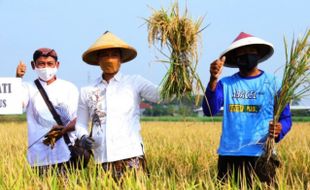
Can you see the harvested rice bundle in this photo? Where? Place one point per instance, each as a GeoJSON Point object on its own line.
{"type": "Point", "coordinates": [181, 36]}
{"type": "Point", "coordinates": [295, 85]}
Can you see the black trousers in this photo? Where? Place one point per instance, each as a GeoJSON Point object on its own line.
{"type": "Point", "coordinates": [239, 167]}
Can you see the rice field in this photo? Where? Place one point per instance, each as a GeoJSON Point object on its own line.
{"type": "Point", "coordinates": [180, 155]}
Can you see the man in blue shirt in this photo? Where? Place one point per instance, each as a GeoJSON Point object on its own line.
{"type": "Point", "coordinates": [247, 98]}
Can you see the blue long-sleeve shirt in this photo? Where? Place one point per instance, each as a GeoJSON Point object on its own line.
{"type": "Point", "coordinates": [248, 107]}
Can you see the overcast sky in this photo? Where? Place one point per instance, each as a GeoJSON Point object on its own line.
{"type": "Point", "coordinates": [71, 26]}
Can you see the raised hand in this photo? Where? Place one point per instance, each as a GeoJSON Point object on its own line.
{"type": "Point", "coordinates": [216, 67]}
{"type": "Point", "coordinates": [21, 69]}
{"type": "Point", "coordinates": [215, 71]}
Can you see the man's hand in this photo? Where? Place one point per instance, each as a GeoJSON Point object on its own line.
{"type": "Point", "coordinates": [274, 129]}
{"type": "Point", "coordinates": [215, 71]}
{"type": "Point", "coordinates": [21, 69]}
{"type": "Point", "coordinates": [87, 142]}
{"type": "Point", "coordinates": [60, 129]}
{"type": "Point", "coordinates": [216, 67]}
{"type": "Point", "coordinates": [53, 135]}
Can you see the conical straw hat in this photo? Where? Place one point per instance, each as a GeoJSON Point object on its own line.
{"type": "Point", "coordinates": [264, 48]}
{"type": "Point", "coordinates": [108, 41]}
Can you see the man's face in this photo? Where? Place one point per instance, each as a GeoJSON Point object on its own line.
{"type": "Point", "coordinates": [246, 58]}
{"type": "Point", "coordinates": [246, 50]}
{"type": "Point", "coordinates": [110, 60]}
{"type": "Point", "coordinates": [45, 62]}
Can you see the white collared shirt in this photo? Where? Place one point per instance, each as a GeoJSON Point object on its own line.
{"type": "Point", "coordinates": [114, 111]}
{"type": "Point", "coordinates": [64, 97]}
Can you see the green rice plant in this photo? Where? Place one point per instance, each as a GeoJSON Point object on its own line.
{"type": "Point", "coordinates": [295, 85]}
{"type": "Point", "coordinates": [180, 35]}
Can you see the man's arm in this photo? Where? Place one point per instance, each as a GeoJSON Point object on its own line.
{"type": "Point", "coordinates": [148, 90]}
{"type": "Point", "coordinates": [20, 72]}
{"type": "Point", "coordinates": [65, 129]}
{"type": "Point", "coordinates": [82, 122]}
{"type": "Point", "coordinates": [286, 123]}
{"type": "Point", "coordinates": [213, 100]}
{"type": "Point", "coordinates": [82, 116]}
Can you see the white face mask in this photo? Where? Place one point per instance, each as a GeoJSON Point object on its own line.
{"type": "Point", "coordinates": [46, 73]}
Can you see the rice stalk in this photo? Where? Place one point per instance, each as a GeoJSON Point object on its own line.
{"type": "Point", "coordinates": [295, 85]}
{"type": "Point", "coordinates": [296, 76]}
{"type": "Point", "coordinates": [180, 36]}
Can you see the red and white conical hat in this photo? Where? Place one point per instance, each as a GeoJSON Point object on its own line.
{"type": "Point", "coordinates": [265, 49]}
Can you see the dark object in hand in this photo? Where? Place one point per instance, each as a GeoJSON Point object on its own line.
{"type": "Point", "coordinates": [52, 136]}
{"type": "Point", "coordinates": [87, 142]}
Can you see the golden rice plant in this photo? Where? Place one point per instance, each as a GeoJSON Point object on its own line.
{"type": "Point", "coordinates": [296, 76]}
{"type": "Point", "coordinates": [180, 35]}
{"type": "Point", "coordinates": [180, 155]}
{"type": "Point", "coordinates": [295, 85]}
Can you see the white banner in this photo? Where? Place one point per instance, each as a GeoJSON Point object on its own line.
{"type": "Point", "coordinates": [10, 96]}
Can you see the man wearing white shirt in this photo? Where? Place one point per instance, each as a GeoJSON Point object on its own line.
{"type": "Point", "coordinates": [64, 97]}
{"type": "Point", "coordinates": [112, 104]}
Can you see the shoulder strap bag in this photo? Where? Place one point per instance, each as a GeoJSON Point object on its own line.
{"type": "Point", "coordinates": [79, 156]}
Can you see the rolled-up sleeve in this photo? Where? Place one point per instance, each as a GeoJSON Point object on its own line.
{"type": "Point", "coordinates": [213, 100]}
{"type": "Point", "coordinates": [82, 115]}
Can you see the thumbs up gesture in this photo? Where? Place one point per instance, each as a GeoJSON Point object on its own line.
{"type": "Point", "coordinates": [216, 68]}
{"type": "Point", "coordinates": [21, 69]}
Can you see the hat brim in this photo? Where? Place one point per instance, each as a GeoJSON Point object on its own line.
{"type": "Point", "coordinates": [91, 55]}
{"type": "Point", "coordinates": [265, 50]}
